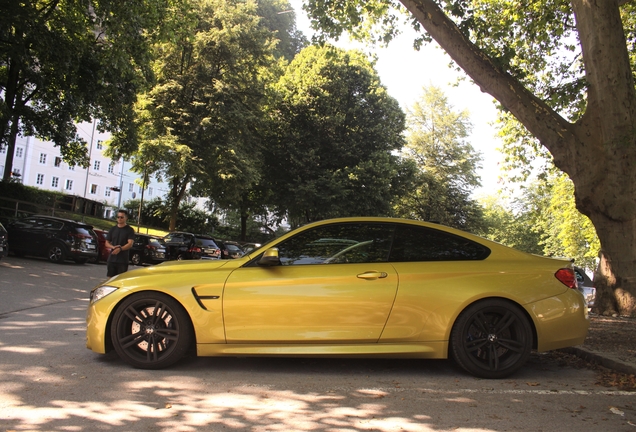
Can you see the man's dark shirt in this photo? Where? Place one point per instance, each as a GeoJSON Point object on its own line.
{"type": "Point", "coordinates": [119, 237]}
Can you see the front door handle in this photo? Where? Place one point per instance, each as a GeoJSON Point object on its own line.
{"type": "Point", "coordinates": [373, 275]}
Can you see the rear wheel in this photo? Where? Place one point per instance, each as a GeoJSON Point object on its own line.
{"type": "Point", "coordinates": [55, 253]}
{"type": "Point", "coordinates": [491, 339]}
{"type": "Point", "coordinates": [151, 331]}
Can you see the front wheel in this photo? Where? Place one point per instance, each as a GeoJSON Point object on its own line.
{"type": "Point", "coordinates": [491, 339]}
{"type": "Point", "coordinates": [151, 330]}
{"type": "Point", "coordinates": [55, 253]}
{"type": "Point", "coordinates": [136, 258]}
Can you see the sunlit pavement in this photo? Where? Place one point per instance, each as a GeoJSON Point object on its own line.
{"type": "Point", "coordinates": [50, 381]}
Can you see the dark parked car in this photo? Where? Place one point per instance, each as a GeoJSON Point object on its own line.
{"type": "Point", "coordinates": [148, 249]}
{"type": "Point", "coordinates": [234, 250]}
{"type": "Point", "coordinates": [104, 252]}
{"type": "Point", "coordinates": [4, 242]}
{"type": "Point", "coordinates": [55, 238]}
{"type": "Point", "coordinates": [208, 246]}
{"type": "Point", "coordinates": [182, 246]}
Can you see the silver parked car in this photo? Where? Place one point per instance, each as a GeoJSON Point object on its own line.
{"type": "Point", "coordinates": [586, 285]}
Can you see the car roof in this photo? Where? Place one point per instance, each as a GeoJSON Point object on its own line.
{"type": "Point", "coordinates": [56, 218]}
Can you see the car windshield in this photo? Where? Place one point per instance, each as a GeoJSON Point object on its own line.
{"type": "Point", "coordinates": [156, 242]}
{"type": "Point", "coordinates": [84, 231]}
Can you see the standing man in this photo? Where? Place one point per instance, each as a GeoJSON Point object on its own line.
{"type": "Point", "coordinates": [119, 240]}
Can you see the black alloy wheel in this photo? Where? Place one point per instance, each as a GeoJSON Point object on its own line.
{"type": "Point", "coordinates": [55, 253]}
{"type": "Point", "coordinates": [151, 330]}
{"type": "Point", "coordinates": [491, 339]}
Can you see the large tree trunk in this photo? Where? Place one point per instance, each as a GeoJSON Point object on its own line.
{"type": "Point", "coordinates": [177, 192]}
{"type": "Point", "coordinates": [598, 152]}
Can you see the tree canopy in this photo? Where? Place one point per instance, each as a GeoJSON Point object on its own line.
{"type": "Point", "coordinates": [334, 130]}
{"type": "Point", "coordinates": [447, 164]}
{"type": "Point", "coordinates": [200, 121]}
{"type": "Point", "coordinates": [65, 61]}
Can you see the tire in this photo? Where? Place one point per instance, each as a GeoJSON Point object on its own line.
{"type": "Point", "coordinates": [135, 259]}
{"type": "Point", "coordinates": [491, 339]}
{"type": "Point", "coordinates": [55, 253]}
{"type": "Point", "coordinates": [151, 331]}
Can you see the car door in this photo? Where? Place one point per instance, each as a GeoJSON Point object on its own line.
{"type": "Point", "coordinates": [334, 284]}
{"type": "Point", "coordinates": [24, 235]}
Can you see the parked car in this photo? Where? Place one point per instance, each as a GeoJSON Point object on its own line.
{"type": "Point", "coordinates": [348, 287]}
{"type": "Point", "coordinates": [4, 242]}
{"type": "Point", "coordinates": [234, 250]}
{"type": "Point", "coordinates": [55, 238]}
{"type": "Point", "coordinates": [182, 246]}
{"type": "Point", "coordinates": [103, 251]}
{"type": "Point", "coordinates": [586, 285]}
{"type": "Point", "coordinates": [148, 249]}
{"type": "Point", "coordinates": [225, 254]}
{"type": "Point", "coordinates": [209, 248]}
{"type": "Point", "coordinates": [249, 247]}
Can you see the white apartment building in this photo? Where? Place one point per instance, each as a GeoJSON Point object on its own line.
{"type": "Point", "coordinates": [40, 164]}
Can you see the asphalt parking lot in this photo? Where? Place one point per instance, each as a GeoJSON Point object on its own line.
{"type": "Point", "coordinates": [50, 381]}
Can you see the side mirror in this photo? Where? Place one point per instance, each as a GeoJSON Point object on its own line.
{"type": "Point", "coordinates": [270, 258]}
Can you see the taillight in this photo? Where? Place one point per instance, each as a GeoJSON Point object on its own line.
{"type": "Point", "coordinates": [567, 277]}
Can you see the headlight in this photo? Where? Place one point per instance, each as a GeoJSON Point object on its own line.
{"type": "Point", "coordinates": [101, 291]}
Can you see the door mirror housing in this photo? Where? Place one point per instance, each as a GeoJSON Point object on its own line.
{"type": "Point", "coordinates": [270, 258]}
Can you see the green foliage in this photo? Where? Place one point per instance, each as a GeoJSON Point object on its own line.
{"type": "Point", "coordinates": [65, 61]}
{"type": "Point", "coordinates": [156, 213]}
{"type": "Point", "coordinates": [517, 230]}
{"type": "Point", "coordinates": [543, 219]}
{"type": "Point", "coordinates": [566, 231]}
{"type": "Point", "coordinates": [332, 137]}
{"type": "Point", "coordinates": [200, 123]}
{"type": "Point", "coordinates": [447, 164]}
{"type": "Point", "coordinates": [279, 17]}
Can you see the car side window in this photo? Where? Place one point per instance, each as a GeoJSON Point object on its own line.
{"type": "Point", "coordinates": [412, 243]}
{"type": "Point", "coordinates": [338, 244]}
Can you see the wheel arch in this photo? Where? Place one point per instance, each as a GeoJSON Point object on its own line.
{"type": "Point", "coordinates": [108, 342]}
{"type": "Point", "coordinates": [485, 299]}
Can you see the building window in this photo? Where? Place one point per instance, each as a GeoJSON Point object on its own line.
{"type": "Point", "coordinates": [43, 158]}
{"type": "Point", "coordinates": [19, 152]}
{"type": "Point", "coordinates": [55, 181]}
{"type": "Point", "coordinates": [96, 165]}
{"type": "Point", "coordinates": [93, 189]}
{"type": "Point", "coordinates": [58, 161]}
{"type": "Point", "coordinates": [3, 149]}
{"type": "Point", "coordinates": [71, 167]}
{"type": "Point", "coordinates": [130, 187]}
{"type": "Point", "coordinates": [111, 167]}
{"type": "Point", "coordinates": [69, 185]}
{"type": "Point", "coordinates": [107, 192]}
{"type": "Point", "coordinates": [140, 189]}
{"type": "Point", "coordinates": [149, 191]}
{"type": "Point", "coordinates": [40, 179]}
{"type": "Point", "coordinates": [100, 144]}
{"type": "Point", "coordinates": [107, 214]}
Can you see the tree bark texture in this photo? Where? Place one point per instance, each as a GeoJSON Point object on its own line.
{"type": "Point", "coordinates": [598, 152]}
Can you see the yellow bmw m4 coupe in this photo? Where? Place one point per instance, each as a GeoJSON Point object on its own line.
{"type": "Point", "coordinates": [347, 287]}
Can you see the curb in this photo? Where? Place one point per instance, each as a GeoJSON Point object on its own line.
{"type": "Point", "coordinates": [606, 360]}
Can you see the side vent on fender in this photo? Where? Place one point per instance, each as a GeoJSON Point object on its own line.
{"type": "Point", "coordinates": [198, 298]}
